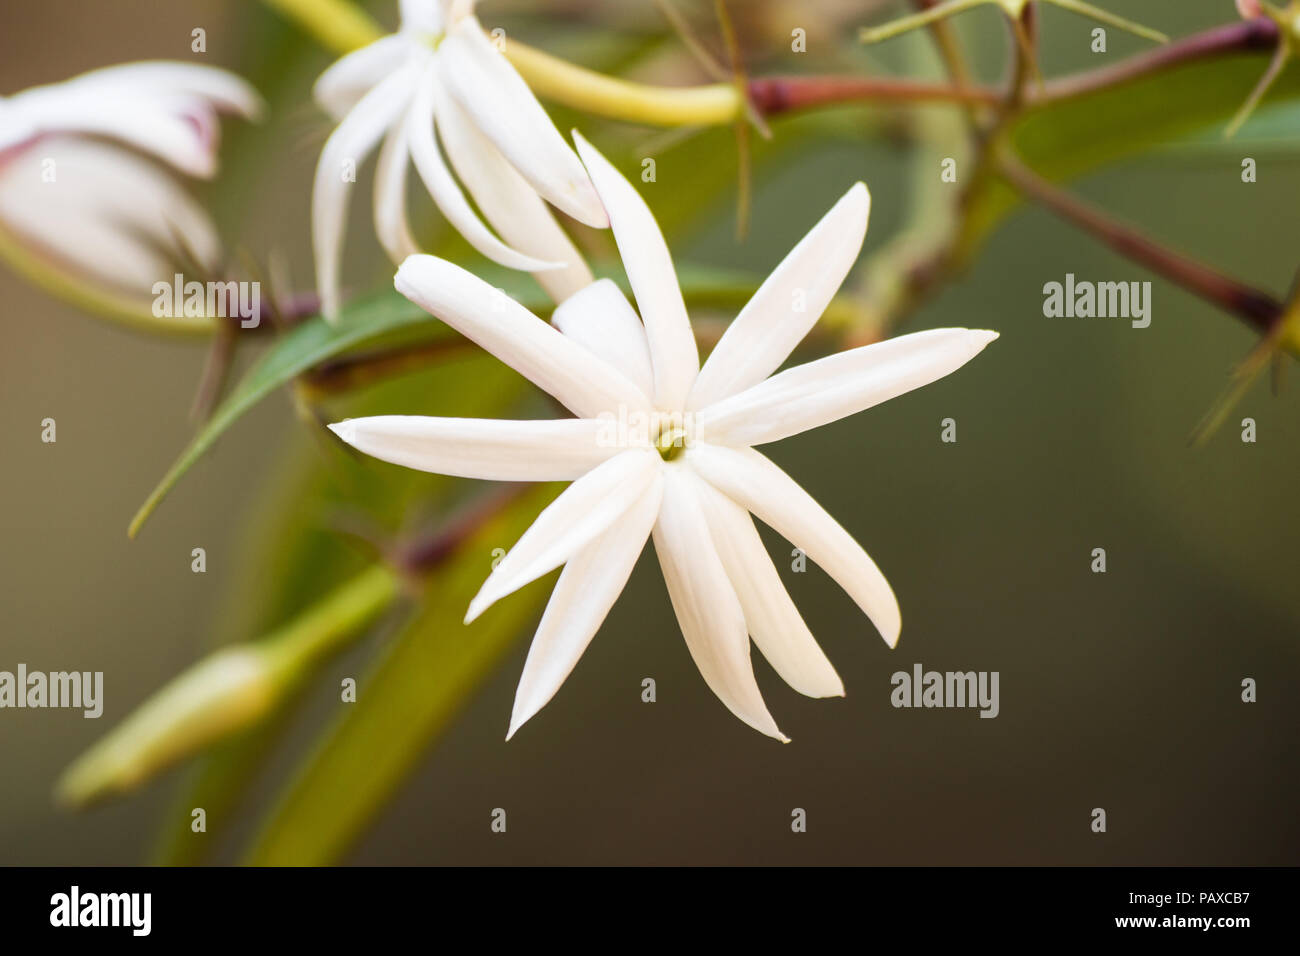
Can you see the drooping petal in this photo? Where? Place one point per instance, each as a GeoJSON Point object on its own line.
{"type": "Point", "coordinates": [391, 225]}
{"type": "Point", "coordinates": [586, 385]}
{"type": "Point", "coordinates": [167, 135]}
{"type": "Point", "coordinates": [839, 385]}
{"type": "Point", "coordinates": [339, 88]}
{"type": "Point", "coordinates": [504, 108]}
{"type": "Point", "coordinates": [349, 144]}
{"type": "Point", "coordinates": [507, 201]}
{"type": "Point", "coordinates": [446, 194]}
{"type": "Point", "coordinates": [649, 266]}
{"type": "Point", "coordinates": [486, 448]}
{"type": "Point", "coordinates": [788, 304]}
{"type": "Point", "coordinates": [588, 587]}
{"type": "Point", "coordinates": [705, 602]}
{"type": "Point", "coordinates": [755, 483]}
{"type": "Point", "coordinates": [111, 214]}
{"type": "Point", "coordinates": [226, 91]}
{"type": "Point", "coordinates": [589, 507]}
{"type": "Point", "coordinates": [601, 319]}
{"type": "Point", "coordinates": [774, 622]}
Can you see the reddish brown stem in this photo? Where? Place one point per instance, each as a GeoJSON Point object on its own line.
{"type": "Point", "coordinates": [1245, 36]}
{"type": "Point", "coordinates": [779, 94]}
{"type": "Point", "coordinates": [1258, 309]}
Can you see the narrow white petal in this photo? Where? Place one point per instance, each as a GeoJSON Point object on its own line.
{"type": "Point", "coordinates": [344, 151]}
{"type": "Point", "coordinates": [773, 620]}
{"type": "Point", "coordinates": [649, 266]}
{"type": "Point", "coordinates": [339, 87]}
{"type": "Point", "coordinates": [587, 508]}
{"type": "Point", "coordinates": [588, 587]}
{"type": "Point", "coordinates": [583, 383]}
{"type": "Point", "coordinates": [391, 225]}
{"type": "Point", "coordinates": [507, 201]}
{"type": "Point", "coordinates": [788, 304]}
{"type": "Point", "coordinates": [810, 395]}
{"type": "Point", "coordinates": [755, 483]}
{"type": "Point", "coordinates": [486, 448]}
{"type": "Point", "coordinates": [444, 190]}
{"type": "Point", "coordinates": [601, 319]}
{"type": "Point", "coordinates": [705, 602]}
{"type": "Point", "coordinates": [504, 108]}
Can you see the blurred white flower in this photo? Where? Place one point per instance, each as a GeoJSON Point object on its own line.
{"type": "Point", "coordinates": [690, 477]}
{"type": "Point", "coordinates": [74, 187]}
{"type": "Point", "coordinates": [441, 70]}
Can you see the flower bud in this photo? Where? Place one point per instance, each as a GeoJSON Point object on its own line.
{"type": "Point", "coordinates": [221, 694]}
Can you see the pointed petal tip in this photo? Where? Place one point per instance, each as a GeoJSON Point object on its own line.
{"type": "Point", "coordinates": [346, 430]}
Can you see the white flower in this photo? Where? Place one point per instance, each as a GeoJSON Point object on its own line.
{"type": "Point", "coordinates": [440, 69]}
{"type": "Point", "coordinates": [694, 479]}
{"type": "Point", "coordinates": [69, 188]}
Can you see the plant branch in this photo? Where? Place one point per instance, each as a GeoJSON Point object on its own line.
{"type": "Point", "coordinates": [1247, 36]}
{"type": "Point", "coordinates": [1257, 308]}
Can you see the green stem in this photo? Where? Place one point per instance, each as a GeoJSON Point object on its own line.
{"type": "Point", "coordinates": [226, 692]}
{"type": "Point", "coordinates": [591, 92]}
{"type": "Point", "coordinates": [339, 25]}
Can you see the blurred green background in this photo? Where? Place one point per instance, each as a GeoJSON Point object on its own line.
{"type": "Point", "coordinates": [1119, 691]}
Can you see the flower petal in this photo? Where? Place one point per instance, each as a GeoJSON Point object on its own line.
{"type": "Point", "coordinates": [167, 135]}
{"type": "Point", "coordinates": [505, 109]}
{"type": "Point", "coordinates": [788, 304]}
{"type": "Point", "coordinates": [344, 151]}
{"type": "Point", "coordinates": [583, 383]}
{"type": "Point", "coordinates": [391, 225]}
{"type": "Point", "coordinates": [339, 88]}
{"type": "Point", "coordinates": [587, 508]}
{"type": "Point", "coordinates": [422, 16]}
{"type": "Point", "coordinates": [442, 187]}
{"type": "Point", "coordinates": [165, 78]}
{"type": "Point", "coordinates": [486, 448]}
{"type": "Point", "coordinates": [588, 587]}
{"type": "Point", "coordinates": [813, 394]}
{"type": "Point", "coordinates": [771, 616]}
{"type": "Point", "coordinates": [705, 602]}
{"type": "Point", "coordinates": [649, 266]}
{"type": "Point", "coordinates": [111, 214]}
{"type": "Point", "coordinates": [755, 483]}
{"type": "Point", "coordinates": [601, 320]}
{"type": "Point", "coordinates": [506, 199]}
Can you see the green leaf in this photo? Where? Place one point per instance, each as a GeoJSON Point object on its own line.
{"type": "Point", "coordinates": [314, 341]}
{"type": "Point", "coordinates": [423, 678]}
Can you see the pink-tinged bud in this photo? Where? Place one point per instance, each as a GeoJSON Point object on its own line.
{"type": "Point", "coordinates": [1249, 9]}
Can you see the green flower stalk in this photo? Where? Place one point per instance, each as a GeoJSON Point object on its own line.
{"type": "Point", "coordinates": [1288, 23]}
{"type": "Point", "coordinates": [1013, 9]}
{"type": "Point", "coordinates": [226, 692]}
